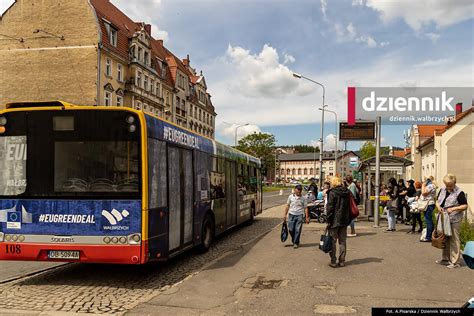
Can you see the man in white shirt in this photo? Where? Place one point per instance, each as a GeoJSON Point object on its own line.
{"type": "Point", "coordinates": [296, 207]}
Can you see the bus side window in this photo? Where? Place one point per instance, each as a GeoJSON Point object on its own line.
{"type": "Point", "coordinates": [158, 184]}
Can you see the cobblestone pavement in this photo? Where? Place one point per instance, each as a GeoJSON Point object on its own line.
{"type": "Point", "coordinates": [91, 288]}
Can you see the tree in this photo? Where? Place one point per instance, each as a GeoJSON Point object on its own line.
{"type": "Point", "coordinates": [260, 145]}
{"type": "Point", "coordinates": [305, 149]}
{"type": "Point", "coordinates": [367, 150]}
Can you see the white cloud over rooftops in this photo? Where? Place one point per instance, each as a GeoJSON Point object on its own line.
{"type": "Point", "coordinates": [420, 13]}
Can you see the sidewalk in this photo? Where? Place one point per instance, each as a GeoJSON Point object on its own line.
{"type": "Point", "coordinates": [383, 269]}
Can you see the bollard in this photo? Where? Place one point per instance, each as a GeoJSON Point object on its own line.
{"type": "Point", "coordinates": [281, 191]}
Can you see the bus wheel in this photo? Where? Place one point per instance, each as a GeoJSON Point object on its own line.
{"type": "Point", "coordinates": [252, 215]}
{"type": "Point", "coordinates": [207, 234]}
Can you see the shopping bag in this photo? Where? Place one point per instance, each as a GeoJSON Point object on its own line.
{"type": "Point", "coordinates": [325, 243]}
{"type": "Point", "coordinates": [284, 232]}
{"type": "Point", "coordinates": [447, 225]}
{"type": "Point", "coordinates": [438, 238]}
{"type": "Point", "coordinates": [423, 234]}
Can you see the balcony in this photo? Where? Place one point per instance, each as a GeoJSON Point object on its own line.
{"type": "Point", "coordinates": [134, 89]}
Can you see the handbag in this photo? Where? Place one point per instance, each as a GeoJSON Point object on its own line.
{"type": "Point", "coordinates": [325, 243]}
{"type": "Point", "coordinates": [438, 239]}
{"type": "Point", "coordinates": [354, 210]}
{"type": "Point", "coordinates": [422, 205]}
{"type": "Point", "coordinates": [284, 231]}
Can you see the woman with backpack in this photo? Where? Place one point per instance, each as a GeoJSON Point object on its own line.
{"type": "Point", "coordinates": [338, 217]}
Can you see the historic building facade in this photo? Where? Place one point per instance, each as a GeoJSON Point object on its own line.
{"type": "Point", "coordinates": [91, 53]}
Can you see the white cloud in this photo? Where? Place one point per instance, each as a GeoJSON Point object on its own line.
{"type": "Point", "coordinates": [422, 13]}
{"type": "Point", "coordinates": [432, 36]}
{"type": "Point", "coordinates": [289, 59]}
{"type": "Point", "coordinates": [432, 63]}
{"type": "Point", "coordinates": [144, 11]}
{"type": "Point", "coordinates": [329, 143]}
{"type": "Point", "coordinates": [350, 34]}
{"type": "Point", "coordinates": [228, 130]}
{"type": "Point", "coordinates": [261, 75]}
{"type": "Point", "coordinates": [324, 6]}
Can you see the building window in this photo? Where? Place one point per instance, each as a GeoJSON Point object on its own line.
{"type": "Point", "coordinates": [152, 86]}
{"type": "Point", "coordinates": [107, 98]}
{"type": "Point", "coordinates": [119, 100]}
{"type": "Point", "coordinates": [112, 34]}
{"type": "Point", "coordinates": [119, 73]}
{"type": "Point", "coordinates": [140, 50]}
{"type": "Point", "coordinates": [145, 83]}
{"type": "Point", "coordinates": [299, 171]}
{"type": "Point", "coordinates": [108, 67]}
{"type": "Point", "coordinates": [305, 171]}
{"type": "Point", "coordinates": [158, 92]}
{"type": "Point", "coordinates": [146, 58]}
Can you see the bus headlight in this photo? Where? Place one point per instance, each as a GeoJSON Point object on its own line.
{"type": "Point", "coordinates": [132, 128]}
{"type": "Point", "coordinates": [114, 240]}
{"type": "Point", "coordinates": [1, 236]}
{"type": "Point", "coordinates": [14, 237]}
{"type": "Point", "coordinates": [3, 121]}
{"type": "Point", "coordinates": [8, 237]}
{"type": "Point", "coordinates": [21, 238]}
{"type": "Point", "coordinates": [107, 240]}
{"type": "Point", "coordinates": [134, 239]}
{"type": "Point", "coordinates": [130, 119]}
{"type": "Point", "coordinates": [123, 240]}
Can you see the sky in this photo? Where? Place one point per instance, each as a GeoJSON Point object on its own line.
{"type": "Point", "coordinates": [248, 50]}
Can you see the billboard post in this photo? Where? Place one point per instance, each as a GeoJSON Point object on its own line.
{"type": "Point", "coordinates": [377, 172]}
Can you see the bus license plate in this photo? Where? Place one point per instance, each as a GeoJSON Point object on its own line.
{"type": "Point", "coordinates": [63, 254]}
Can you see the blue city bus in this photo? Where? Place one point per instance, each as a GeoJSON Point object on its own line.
{"type": "Point", "coordinates": [115, 185]}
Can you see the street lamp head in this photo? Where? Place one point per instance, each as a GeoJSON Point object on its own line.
{"type": "Point", "coordinates": [296, 75]}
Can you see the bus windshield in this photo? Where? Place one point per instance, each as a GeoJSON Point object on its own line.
{"type": "Point", "coordinates": [77, 153]}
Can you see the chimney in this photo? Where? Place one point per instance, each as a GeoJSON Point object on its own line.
{"type": "Point", "coordinates": [186, 61]}
{"type": "Point", "coordinates": [148, 28]}
{"type": "Point", "coordinates": [458, 108]}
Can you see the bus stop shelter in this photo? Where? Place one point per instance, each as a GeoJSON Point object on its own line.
{"type": "Point", "coordinates": [390, 166]}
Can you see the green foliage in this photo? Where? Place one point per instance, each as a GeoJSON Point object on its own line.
{"type": "Point", "coordinates": [260, 145]}
{"type": "Point", "coordinates": [367, 150]}
{"type": "Point", "coordinates": [466, 233]}
{"type": "Point", "coordinates": [305, 149]}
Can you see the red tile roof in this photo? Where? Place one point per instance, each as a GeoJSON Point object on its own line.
{"type": "Point", "coordinates": [399, 153]}
{"type": "Point", "coordinates": [429, 130]}
{"type": "Point", "coordinates": [124, 25]}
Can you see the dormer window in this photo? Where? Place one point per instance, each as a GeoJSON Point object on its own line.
{"type": "Point", "coordinates": [146, 58]}
{"type": "Point", "coordinates": [111, 33]}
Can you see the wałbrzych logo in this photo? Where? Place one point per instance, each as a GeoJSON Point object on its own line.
{"type": "Point", "coordinates": [115, 218]}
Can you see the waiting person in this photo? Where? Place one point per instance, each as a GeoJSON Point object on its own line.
{"type": "Point", "coordinates": [313, 187]}
{"type": "Point", "coordinates": [393, 193]}
{"type": "Point", "coordinates": [416, 216]}
{"type": "Point", "coordinates": [401, 204]}
{"type": "Point", "coordinates": [326, 187]}
{"type": "Point", "coordinates": [428, 191]}
{"type": "Point", "coordinates": [296, 208]}
{"type": "Point", "coordinates": [353, 188]}
{"type": "Point", "coordinates": [411, 191]}
{"type": "Point", "coordinates": [338, 218]}
{"type": "Point", "coordinates": [452, 201]}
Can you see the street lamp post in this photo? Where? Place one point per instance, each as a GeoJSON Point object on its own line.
{"type": "Point", "coordinates": [300, 76]}
{"type": "Point", "coordinates": [337, 137]}
{"type": "Point", "coordinates": [235, 142]}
